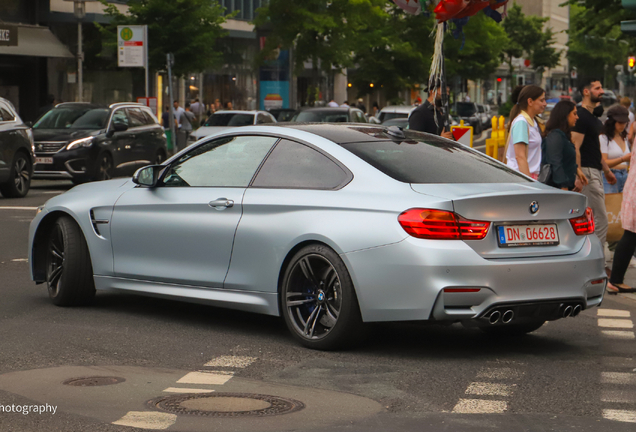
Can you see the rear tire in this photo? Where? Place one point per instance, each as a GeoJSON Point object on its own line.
{"type": "Point", "coordinates": [318, 300]}
{"type": "Point", "coordinates": [510, 330]}
{"type": "Point", "coordinates": [69, 272]}
{"type": "Point", "coordinates": [19, 179]}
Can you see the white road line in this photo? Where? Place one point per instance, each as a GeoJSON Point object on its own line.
{"type": "Point", "coordinates": [499, 373]}
{"type": "Point", "coordinates": [231, 361]}
{"type": "Point", "coordinates": [619, 334]}
{"type": "Point", "coordinates": [490, 389]}
{"type": "Point", "coordinates": [480, 406]}
{"type": "Point", "coordinates": [147, 420]}
{"type": "Point", "coordinates": [618, 378]}
{"type": "Point", "coordinates": [618, 396]}
{"type": "Point", "coordinates": [615, 323]}
{"type": "Point", "coordinates": [18, 208]}
{"type": "Point", "coordinates": [620, 415]}
{"type": "Point", "coordinates": [613, 313]}
{"type": "Point", "coordinates": [20, 260]}
{"type": "Point", "coordinates": [186, 390]}
{"type": "Point", "coordinates": [206, 377]}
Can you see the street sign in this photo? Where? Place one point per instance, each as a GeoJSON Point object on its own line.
{"type": "Point", "coordinates": [463, 134]}
{"type": "Point", "coordinates": [573, 74]}
{"type": "Point", "coordinates": [131, 46]}
{"type": "Point", "coordinates": [150, 102]}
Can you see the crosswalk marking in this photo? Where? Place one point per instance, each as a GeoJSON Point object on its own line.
{"type": "Point", "coordinates": [615, 323]}
{"type": "Point", "coordinates": [205, 377]}
{"type": "Point", "coordinates": [186, 390]}
{"type": "Point", "coordinates": [618, 396]}
{"type": "Point", "coordinates": [613, 313]}
{"type": "Point", "coordinates": [231, 361]}
{"type": "Point", "coordinates": [620, 415]}
{"type": "Point", "coordinates": [618, 378]}
{"type": "Point", "coordinates": [619, 334]}
{"type": "Point", "coordinates": [480, 406]}
{"type": "Point", "coordinates": [147, 420]}
{"type": "Point", "coordinates": [490, 389]}
{"type": "Point", "coordinates": [499, 373]}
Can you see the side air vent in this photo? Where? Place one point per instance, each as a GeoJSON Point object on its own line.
{"type": "Point", "coordinates": [96, 223]}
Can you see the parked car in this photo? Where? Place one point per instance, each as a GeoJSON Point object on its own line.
{"type": "Point", "coordinates": [282, 114]}
{"type": "Point", "coordinates": [484, 115]}
{"type": "Point", "coordinates": [394, 111]}
{"type": "Point", "coordinates": [328, 226]}
{"type": "Point", "coordinates": [84, 142]}
{"type": "Point", "coordinates": [16, 153]}
{"type": "Point", "coordinates": [467, 111]}
{"type": "Point", "coordinates": [330, 115]}
{"type": "Point", "coordinates": [222, 120]}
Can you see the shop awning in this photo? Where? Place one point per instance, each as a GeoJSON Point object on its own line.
{"type": "Point", "coordinates": [37, 41]}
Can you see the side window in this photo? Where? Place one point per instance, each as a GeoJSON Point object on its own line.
{"type": "Point", "coordinates": [120, 117]}
{"type": "Point", "coordinates": [360, 117]}
{"type": "Point", "coordinates": [263, 119]}
{"type": "Point", "coordinates": [6, 114]}
{"type": "Point", "coordinates": [150, 120]}
{"type": "Point", "coordinates": [224, 162]}
{"type": "Point", "coordinates": [296, 166]}
{"type": "Point", "coordinates": [137, 117]}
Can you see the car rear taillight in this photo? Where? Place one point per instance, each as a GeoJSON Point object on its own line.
{"type": "Point", "coordinates": [583, 225]}
{"type": "Point", "coordinates": [441, 225]}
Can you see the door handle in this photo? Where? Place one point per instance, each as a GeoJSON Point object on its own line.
{"type": "Point", "coordinates": [221, 203]}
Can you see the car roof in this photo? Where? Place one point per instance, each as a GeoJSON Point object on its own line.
{"type": "Point", "coordinates": [398, 108]}
{"type": "Point", "coordinates": [329, 109]}
{"type": "Point", "coordinates": [341, 133]}
{"type": "Point", "coordinates": [240, 112]}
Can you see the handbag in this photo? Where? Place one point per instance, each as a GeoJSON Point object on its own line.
{"type": "Point", "coordinates": [545, 174]}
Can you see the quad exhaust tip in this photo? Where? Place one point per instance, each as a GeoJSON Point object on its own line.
{"type": "Point", "coordinates": [567, 311]}
{"type": "Point", "coordinates": [576, 310]}
{"type": "Point", "coordinates": [507, 316]}
{"type": "Point", "coordinates": [494, 317]}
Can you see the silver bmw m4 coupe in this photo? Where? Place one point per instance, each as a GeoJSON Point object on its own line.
{"type": "Point", "coordinates": [329, 226]}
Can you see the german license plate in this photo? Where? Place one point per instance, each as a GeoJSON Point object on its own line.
{"type": "Point", "coordinates": [43, 160]}
{"type": "Point", "coordinates": [528, 235]}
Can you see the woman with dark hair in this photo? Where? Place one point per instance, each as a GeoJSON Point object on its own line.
{"type": "Point", "coordinates": [523, 150]}
{"type": "Point", "coordinates": [557, 148]}
{"type": "Point", "coordinates": [615, 148]}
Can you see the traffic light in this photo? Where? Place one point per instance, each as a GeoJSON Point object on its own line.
{"type": "Point", "coordinates": [631, 63]}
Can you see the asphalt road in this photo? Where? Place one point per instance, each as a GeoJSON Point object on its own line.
{"type": "Point", "coordinates": [575, 374]}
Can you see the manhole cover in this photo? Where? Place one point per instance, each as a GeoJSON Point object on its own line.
{"type": "Point", "coordinates": [93, 381]}
{"type": "Point", "coordinates": [226, 405]}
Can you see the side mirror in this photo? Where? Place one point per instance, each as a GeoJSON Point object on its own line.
{"type": "Point", "coordinates": [147, 176]}
{"type": "Point", "coordinates": [116, 127]}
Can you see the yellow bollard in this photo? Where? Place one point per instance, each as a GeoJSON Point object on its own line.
{"type": "Point", "coordinates": [491, 143]}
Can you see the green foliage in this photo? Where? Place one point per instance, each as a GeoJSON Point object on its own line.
{"type": "Point", "coordinates": [596, 41]}
{"type": "Point", "coordinates": [526, 37]}
{"type": "Point", "coordinates": [187, 28]}
{"type": "Point", "coordinates": [481, 54]}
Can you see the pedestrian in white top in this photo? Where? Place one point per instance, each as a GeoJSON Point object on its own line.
{"type": "Point", "coordinates": [615, 147]}
{"type": "Point", "coordinates": [333, 104]}
{"type": "Point", "coordinates": [523, 151]}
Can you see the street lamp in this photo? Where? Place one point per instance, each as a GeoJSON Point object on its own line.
{"type": "Point", "coordinates": [79, 10]}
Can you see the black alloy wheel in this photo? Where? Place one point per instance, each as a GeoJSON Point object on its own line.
{"type": "Point", "coordinates": [318, 299]}
{"type": "Point", "coordinates": [105, 171]}
{"type": "Point", "coordinates": [69, 272]}
{"type": "Point", "coordinates": [20, 178]}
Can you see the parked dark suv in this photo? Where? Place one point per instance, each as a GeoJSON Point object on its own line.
{"type": "Point", "coordinates": [16, 153]}
{"type": "Point", "coordinates": [84, 142]}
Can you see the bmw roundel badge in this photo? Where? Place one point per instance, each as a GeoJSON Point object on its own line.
{"type": "Point", "coordinates": [534, 207]}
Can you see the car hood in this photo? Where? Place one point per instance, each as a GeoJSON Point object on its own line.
{"type": "Point", "coordinates": [61, 134]}
{"type": "Point", "coordinates": [209, 130]}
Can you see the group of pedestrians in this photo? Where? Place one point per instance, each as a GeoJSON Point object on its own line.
{"type": "Point", "coordinates": [576, 151]}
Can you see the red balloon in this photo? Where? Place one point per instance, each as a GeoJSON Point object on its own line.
{"type": "Point", "coordinates": [447, 9]}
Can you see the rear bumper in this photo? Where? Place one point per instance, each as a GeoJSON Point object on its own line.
{"type": "Point", "coordinates": [406, 281]}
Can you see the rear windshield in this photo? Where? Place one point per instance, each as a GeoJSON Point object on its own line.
{"type": "Point", "coordinates": [423, 158]}
{"type": "Point", "coordinates": [229, 119]}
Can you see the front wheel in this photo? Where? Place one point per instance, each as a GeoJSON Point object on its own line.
{"type": "Point", "coordinates": [318, 300]}
{"type": "Point", "coordinates": [19, 179]}
{"type": "Point", "coordinates": [69, 272]}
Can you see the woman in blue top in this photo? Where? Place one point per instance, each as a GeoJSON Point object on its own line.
{"type": "Point", "coordinates": [557, 148]}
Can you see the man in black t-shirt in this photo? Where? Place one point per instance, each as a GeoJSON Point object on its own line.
{"type": "Point", "coordinates": [423, 117]}
{"type": "Point", "coordinates": [585, 137]}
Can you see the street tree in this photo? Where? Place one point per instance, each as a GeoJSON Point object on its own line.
{"type": "Point", "coordinates": [187, 28]}
{"type": "Point", "coordinates": [323, 33]}
{"type": "Point", "coordinates": [526, 37]}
